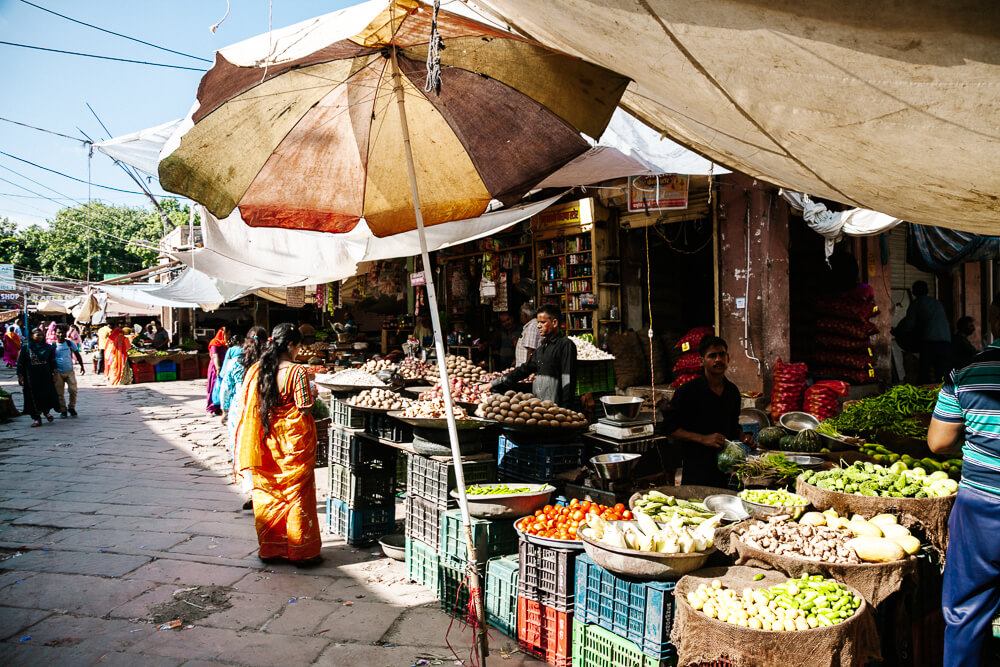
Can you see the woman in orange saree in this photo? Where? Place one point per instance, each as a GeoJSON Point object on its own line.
{"type": "Point", "coordinates": [276, 438]}
{"type": "Point", "coordinates": [116, 366]}
{"type": "Point", "coordinates": [11, 347]}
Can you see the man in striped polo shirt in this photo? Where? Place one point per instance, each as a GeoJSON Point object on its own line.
{"type": "Point", "coordinates": [968, 408]}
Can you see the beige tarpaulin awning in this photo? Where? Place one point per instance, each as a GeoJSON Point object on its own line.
{"type": "Point", "coordinates": [893, 107]}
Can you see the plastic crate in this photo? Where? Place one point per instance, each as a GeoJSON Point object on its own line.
{"type": "Point", "coordinates": [402, 466]}
{"type": "Point", "coordinates": [423, 521]}
{"type": "Point", "coordinates": [595, 377]}
{"type": "Point", "coordinates": [344, 415]}
{"type": "Point", "coordinates": [165, 367]}
{"type": "Point", "coordinates": [535, 462]}
{"type": "Point", "coordinates": [501, 594]}
{"type": "Point", "coordinates": [453, 595]}
{"type": "Point", "coordinates": [996, 627]}
{"type": "Point", "coordinates": [363, 487]}
{"type": "Point", "coordinates": [642, 612]}
{"type": "Point", "coordinates": [422, 564]}
{"type": "Point", "coordinates": [168, 376]}
{"type": "Point", "coordinates": [360, 527]}
{"type": "Point", "coordinates": [593, 646]}
{"type": "Point", "coordinates": [388, 428]}
{"type": "Point", "coordinates": [203, 365]}
{"type": "Point", "coordinates": [187, 369]}
{"type": "Point", "coordinates": [544, 632]}
{"type": "Point", "coordinates": [142, 372]}
{"type": "Point", "coordinates": [546, 574]}
{"type": "Point", "coordinates": [352, 448]}
{"type": "Point", "coordinates": [492, 538]}
{"type": "Point", "coordinates": [433, 480]}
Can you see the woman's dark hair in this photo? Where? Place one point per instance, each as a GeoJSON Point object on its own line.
{"type": "Point", "coordinates": [282, 337]}
{"type": "Point", "coordinates": [234, 335]}
{"type": "Point", "coordinates": [253, 346]}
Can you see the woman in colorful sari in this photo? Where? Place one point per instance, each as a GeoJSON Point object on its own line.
{"type": "Point", "coordinates": [50, 334]}
{"type": "Point", "coordinates": [116, 366]}
{"type": "Point", "coordinates": [36, 371]}
{"type": "Point", "coordinates": [277, 442]}
{"type": "Point", "coordinates": [216, 354]}
{"type": "Point", "coordinates": [233, 377]}
{"type": "Point", "coordinates": [11, 347]}
{"type": "Point", "coordinates": [74, 335]}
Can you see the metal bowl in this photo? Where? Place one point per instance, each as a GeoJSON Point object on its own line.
{"type": "Point", "coordinates": [806, 461]}
{"type": "Point", "coordinates": [793, 422]}
{"type": "Point", "coordinates": [547, 541]}
{"type": "Point", "coordinates": [394, 546]}
{"type": "Point", "coordinates": [439, 422]}
{"type": "Point", "coordinates": [761, 511]}
{"type": "Point", "coordinates": [647, 565]}
{"type": "Point", "coordinates": [730, 506]}
{"type": "Point", "coordinates": [621, 408]}
{"type": "Point", "coordinates": [510, 504]}
{"type": "Point", "coordinates": [615, 467]}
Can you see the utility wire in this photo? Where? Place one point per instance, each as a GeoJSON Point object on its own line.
{"type": "Point", "coordinates": [116, 34]}
{"type": "Point", "coordinates": [99, 57]}
{"type": "Point", "coordinates": [42, 129]}
{"type": "Point", "coordinates": [80, 180]}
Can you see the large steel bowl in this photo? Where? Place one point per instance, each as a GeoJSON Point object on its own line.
{"type": "Point", "coordinates": [763, 512]}
{"type": "Point", "coordinates": [511, 504]}
{"type": "Point", "coordinates": [621, 408]}
{"type": "Point", "coordinates": [794, 422]}
{"type": "Point", "coordinates": [616, 466]}
{"type": "Point", "coordinates": [647, 565]}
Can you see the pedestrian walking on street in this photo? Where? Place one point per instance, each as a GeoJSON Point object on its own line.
{"type": "Point", "coordinates": [277, 442]}
{"type": "Point", "coordinates": [232, 402]}
{"type": "Point", "coordinates": [216, 355]}
{"type": "Point", "coordinates": [116, 365]}
{"type": "Point", "coordinates": [11, 347]}
{"type": "Point", "coordinates": [36, 369]}
{"type": "Point", "coordinates": [65, 350]}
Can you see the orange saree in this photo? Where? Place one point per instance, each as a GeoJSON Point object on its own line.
{"type": "Point", "coordinates": [116, 368]}
{"type": "Point", "coordinates": [282, 460]}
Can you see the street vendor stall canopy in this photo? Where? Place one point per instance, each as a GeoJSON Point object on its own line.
{"type": "Point", "coordinates": [892, 107]}
{"type": "Point", "coordinates": [191, 289]}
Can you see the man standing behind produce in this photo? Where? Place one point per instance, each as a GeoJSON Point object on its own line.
{"type": "Point", "coordinates": [704, 413]}
{"type": "Point", "coordinates": [968, 408]}
{"type": "Point", "coordinates": [926, 324]}
{"type": "Point", "coordinates": [553, 363]}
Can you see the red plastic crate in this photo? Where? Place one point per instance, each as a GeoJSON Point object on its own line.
{"type": "Point", "coordinates": [143, 372]}
{"type": "Point", "coordinates": [203, 366]}
{"type": "Point", "coordinates": [545, 632]}
{"type": "Point", "coordinates": [188, 369]}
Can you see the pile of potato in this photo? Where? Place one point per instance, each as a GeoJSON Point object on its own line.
{"type": "Point", "coordinates": [381, 399]}
{"type": "Point", "coordinates": [458, 367]}
{"type": "Point", "coordinates": [525, 409]}
{"type": "Point", "coordinates": [412, 368]}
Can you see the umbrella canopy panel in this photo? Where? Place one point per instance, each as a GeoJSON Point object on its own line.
{"type": "Point", "coordinates": [313, 141]}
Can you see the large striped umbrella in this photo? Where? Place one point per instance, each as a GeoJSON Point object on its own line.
{"type": "Point", "coordinates": [298, 128]}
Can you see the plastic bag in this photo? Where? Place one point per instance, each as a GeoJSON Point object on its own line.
{"type": "Point", "coordinates": [733, 454]}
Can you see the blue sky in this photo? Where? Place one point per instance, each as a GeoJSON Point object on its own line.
{"type": "Point", "coordinates": [51, 90]}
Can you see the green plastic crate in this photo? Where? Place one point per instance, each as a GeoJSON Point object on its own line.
{"type": "Point", "coordinates": [501, 594]}
{"type": "Point", "coordinates": [343, 414]}
{"type": "Point", "coordinates": [422, 564]}
{"type": "Point", "coordinates": [454, 601]}
{"type": "Point", "coordinates": [168, 376]}
{"type": "Point", "coordinates": [593, 646]}
{"type": "Point", "coordinates": [492, 538]}
{"type": "Point", "coordinates": [595, 377]}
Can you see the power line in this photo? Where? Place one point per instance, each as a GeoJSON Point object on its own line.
{"type": "Point", "coordinates": [92, 55]}
{"type": "Point", "coordinates": [42, 129]}
{"type": "Point", "coordinates": [116, 34]}
{"type": "Point", "coordinates": [80, 180]}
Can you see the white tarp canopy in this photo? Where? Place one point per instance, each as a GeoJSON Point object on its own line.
{"type": "Point", "coordinates": [191, 289]}
{"type": "Point", "coordinates": [833, 226]}
{"type": "Point", "coordinates": [140, 149]}
{"type": "Point", "coordinates": [893, 107]}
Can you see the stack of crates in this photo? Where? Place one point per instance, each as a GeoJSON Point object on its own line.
{"type": "Point", "coordinates": [545, 603]}
{"type": "Point", "coordinates": [362, 479]}
{"type": "Point", "coordinates": [522, 458]}
{"type": "Point", "coordinates": [143, 372]}
{"type": "Point", "coordinates": [630, 620]}
{"type": "Point", "coordinates": [187, 369]}
{"type": "Point", "coordinates": [501, 594]}
{"type": "Point", "coordinates": [491, 538]}
{"type": "Point", "coordinates": [429, 481]}
{"type": "Point", "coordinates": [166, 371]}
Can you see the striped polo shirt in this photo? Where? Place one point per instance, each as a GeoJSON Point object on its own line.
{"type": "Point", "coordinates": [971, 395]}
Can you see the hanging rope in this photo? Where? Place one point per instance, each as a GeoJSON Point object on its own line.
{"type": "Point", "coordinates": [434, 48]}
{"type": "Point", "coordinates": [215, 27]}
{"type": "Point", "coordinates": [649, 306]}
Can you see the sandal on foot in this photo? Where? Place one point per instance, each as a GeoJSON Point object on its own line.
{"type": "Point", "coordinates": [37, 422]}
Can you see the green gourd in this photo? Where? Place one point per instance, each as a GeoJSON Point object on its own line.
{"type": "Point", "coordinates": [808, 440]}
{"type": "Point", "coordinates": [770, 437]}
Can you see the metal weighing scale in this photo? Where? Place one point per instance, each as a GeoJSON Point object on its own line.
{"type": "Point", "coordinates": [624, 430]}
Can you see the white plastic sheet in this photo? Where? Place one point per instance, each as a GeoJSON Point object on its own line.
{"type": "Point", "coordinates": [833, 226]}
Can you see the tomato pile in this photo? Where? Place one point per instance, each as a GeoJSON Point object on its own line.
{"type": "Point", "coordinates": [561, 522]}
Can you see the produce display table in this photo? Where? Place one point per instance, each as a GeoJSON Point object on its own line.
{"type": "Point", "coordinates": [702, 640]}
{"type": "Point", "coordinates": [929, 515]}
{"type": "Point", "coordinates": [174, 356]}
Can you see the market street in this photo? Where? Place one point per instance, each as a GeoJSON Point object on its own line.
{"type": "Point", "coordinates": [130, 506]}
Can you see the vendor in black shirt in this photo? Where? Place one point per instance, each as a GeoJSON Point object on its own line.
{"type": "Point", "coordinates": [553, 363]}
{"type": "Point", "coordinates": [703, 414]}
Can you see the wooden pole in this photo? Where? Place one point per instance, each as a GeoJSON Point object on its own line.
{"type": "Point", "coordinates": [482, 639]}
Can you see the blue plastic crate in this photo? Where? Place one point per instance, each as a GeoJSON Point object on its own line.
{"type": "Point", "coordinates": [642, 612]}
{"type": "Point", "coordinates": [165, 367]}
{"type": "Point", "coordinates": [536, 462]}
{"type": "Point", "coordinates": [495, 537]}
{"type": "Point", "coordinates": [360, 527]}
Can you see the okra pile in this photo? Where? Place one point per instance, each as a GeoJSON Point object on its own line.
{"type": "Point", "coordinates": [798, 604]}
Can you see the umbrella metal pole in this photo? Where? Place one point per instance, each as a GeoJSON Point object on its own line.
{"type": "Point", "coordinates": [482, 640]}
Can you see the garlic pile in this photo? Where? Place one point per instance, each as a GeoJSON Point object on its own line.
{"type": "Point", "coordinates": [587, 351]}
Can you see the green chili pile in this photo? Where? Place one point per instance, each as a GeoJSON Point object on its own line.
{"type": "Point", "coordinates": [892, 411]}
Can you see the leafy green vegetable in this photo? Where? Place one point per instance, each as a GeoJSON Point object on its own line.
{"type": "Point", "coordinates": [892, 411]}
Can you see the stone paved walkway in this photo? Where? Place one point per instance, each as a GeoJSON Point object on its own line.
{"type": "Point", "coordinates": [105, 516]}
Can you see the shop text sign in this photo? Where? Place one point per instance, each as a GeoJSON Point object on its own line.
{"type": "Point", "coordinates": [7, 277]}
{"type": "Point", "coordinates": [575, 213]}
{"type": "Point", "coordinates": [658, 193]}
{"type": "Point", "coordinates": [417, 279]}
{"type": "Point", "coordinates": [295, 297]}
{"type": "Point", "coordinates": [10, 298]}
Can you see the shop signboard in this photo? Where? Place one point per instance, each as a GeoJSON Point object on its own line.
{"type": "Point", "coordinates": [295, 297]}
{"type": "Point", "coordinates": [10, 299]}
{"type": "Point", "coordinates": [417, 279]}
{"type": "Point", "coordinates": [578, 213]}
{"type": "Point", "coordinates": [7, 277]}
{"type": "Point", "coordinates": [658, 192]}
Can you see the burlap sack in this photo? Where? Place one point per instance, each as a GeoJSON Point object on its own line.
{"type": "Point", "coordinates": [700, 639]}
{"type": "Point", "coordinates": [874, 581]}
{"type": "Point", "coordinates": [659, 358]}
{"type": "Point", "coordinates": [631, 368]}
{"type": "Point", "coordinates": [929, 515]}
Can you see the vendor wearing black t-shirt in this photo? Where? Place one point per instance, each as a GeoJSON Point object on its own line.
{"type": "Point", "coordinates": [703, 414]}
